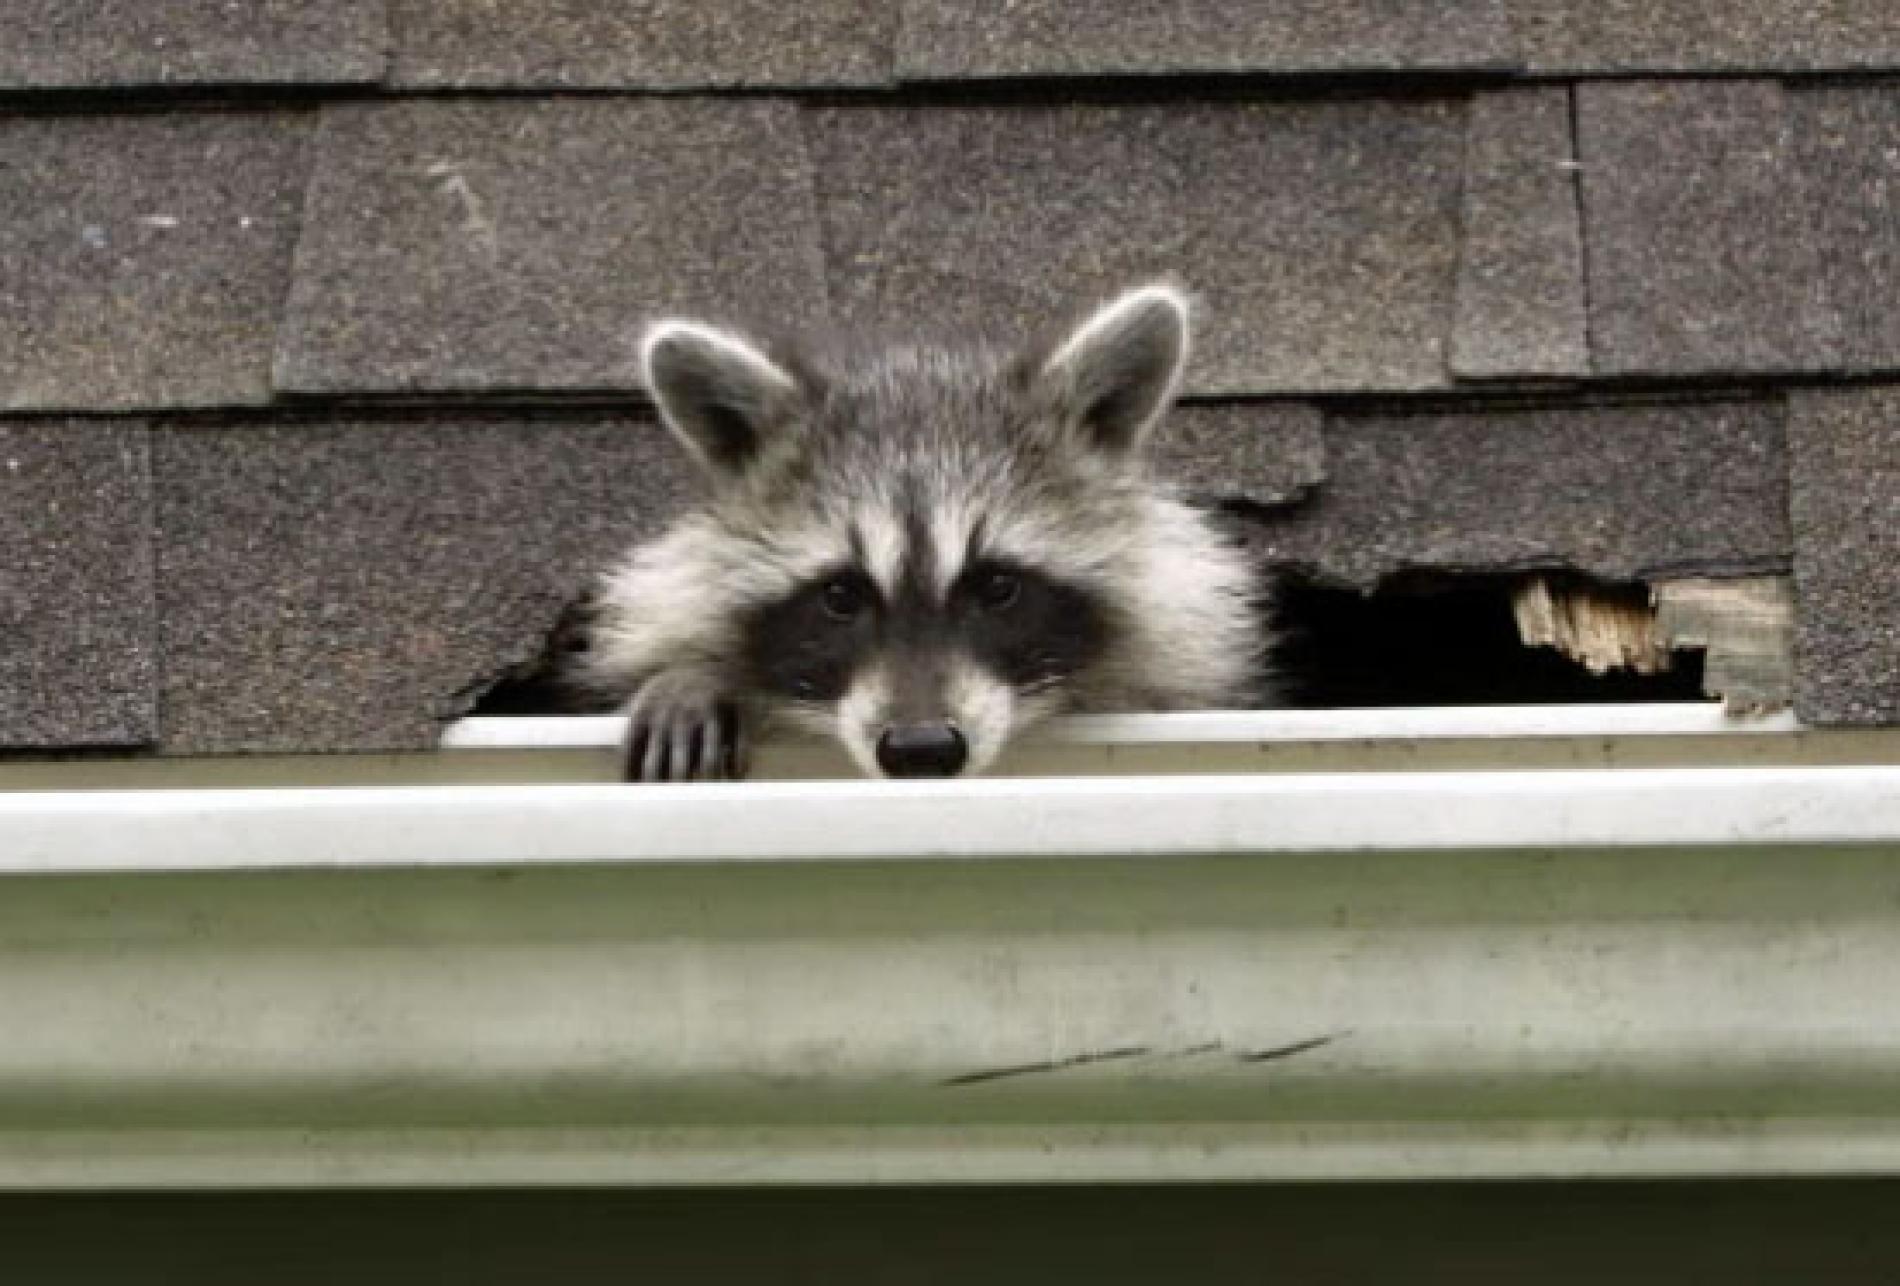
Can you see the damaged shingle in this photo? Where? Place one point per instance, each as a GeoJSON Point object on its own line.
{"type": "Point", "coordinates": [1846, 513]}
{"type": "Point", "coordinates": [1848, 138]}
{"type": "Point", "coordinates": [951, 38]}
{"type": "Point", "coordinates": [1700, 261]}
{"type": "Point", "coordinates": [100, 43]}
{"type": "Point", "coordinates": [508, 244]}
{"type": "Point", "coordinates": [646, 44]}
{"type": "Point", "coordinates": [1520, 279]}
{"type": "Point", "coordinates": [346, 585]}
{"type": "Point", "coordinates": [143, 258]}
{"type": "Point", "coordinates": [1321, 235]}
{"type": "Point", "coordinates": [77, 633]}
{"type": "Point", "coordinates": [1620, 492]}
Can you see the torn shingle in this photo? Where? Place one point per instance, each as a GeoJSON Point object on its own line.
{"type": "Point", "coordinates": [1846, 514]}
{"type": "Point", "coordinates": [519, 244]}
{"type": "Point", "coordinates": [645, 44]}
{"type": "Point", "coordinates": [53, 44]}
{"type": "Point", "coordinates": [1700, 261]}
{"type": "Point", "coordinates": [1848, 138]}
{"type": "Point", "coordinates": [1265, 453]}
{"type": "Point", "coordinates": [952, 38]}
{"type": "Point", "coordinates": [348, 585]}
{"type": "Point", "coordinates": [1520, 278]}
{"type": "Point", "coordinates": [1321, 236]}
{"type": "Point", "coordinates": [1620, 492]}
{"type": "Point", "coordinates": [77, 631]}
{"type": "Point", "coordinates": [1707, 35]}
{"type": "Point", "coordinates": [143, 258]}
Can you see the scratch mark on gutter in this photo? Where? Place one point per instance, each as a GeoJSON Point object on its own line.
{"type": "Point", "coordinates": [1054, 1065]}
{"type": "Point", "coordinates": [1289, 1051]}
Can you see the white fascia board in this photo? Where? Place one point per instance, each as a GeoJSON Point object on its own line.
{"type": "Point", "coordinates": [1287, 975]}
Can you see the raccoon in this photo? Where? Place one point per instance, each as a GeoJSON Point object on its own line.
{"type": "Point", "coordinates": [920, 550]}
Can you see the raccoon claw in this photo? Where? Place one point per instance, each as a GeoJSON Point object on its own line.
{"type": "Point", "coordinates": [681, 732]}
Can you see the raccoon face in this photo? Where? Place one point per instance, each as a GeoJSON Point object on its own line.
{"type": "Point", "coordinates": [924, 678]}
{"type": "Point", "coordinates": [928, 550]}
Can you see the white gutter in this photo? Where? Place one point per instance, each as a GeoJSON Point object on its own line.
{"type": "Point", "coordinates": [1687, 969]}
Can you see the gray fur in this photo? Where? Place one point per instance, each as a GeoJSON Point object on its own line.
{"type": "Point", "coordinates": [859, 454]}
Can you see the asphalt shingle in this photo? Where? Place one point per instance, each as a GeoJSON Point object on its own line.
{"type": "Point", "coordinates": [1521, 310]}
{"type": "Point", "coordinates": [144, 258]}
{"type": "Point", "coordinates": [1266, 453]}
{"type": "Point", "coordinates": [1845, 503]}
{"type": "Point", "coordinates": [646, 44]}
{"type": "Point", "coordinates": [508, 244]}
{"type": "Point", "coordinates": [1622, 492]}
{"type": "Point", "coordinates": [953, 38]}
{"type": "Point", "coordinates": [77, 630]}
{"type": "Point", "coordinates": [1707, 35]}
{"type": "Point", "coordinates": [1321, 235]}
{"type": "Point", "coordinates": [1848, 138]}
{"type": "Point", "coordinates": [56, 44]}
{"type": "Point", "coordinates": [347, 585]}
{"type": "Point", "coordinates": [1700, 259]}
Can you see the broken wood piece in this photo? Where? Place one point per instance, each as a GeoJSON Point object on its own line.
{"type": "Point", "coordinates": [1603, 628]}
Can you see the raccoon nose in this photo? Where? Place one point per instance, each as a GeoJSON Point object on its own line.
{"type": "Point", "coordinates": [922, 750]}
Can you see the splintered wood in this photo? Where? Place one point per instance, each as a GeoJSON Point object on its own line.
{"type": "Point", "coordinates": [1600, 628]}
{"type": "Point", "coordinates": [1743, 628]}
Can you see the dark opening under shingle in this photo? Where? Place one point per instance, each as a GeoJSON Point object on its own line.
{"type": "Point", "coordinates": [466, 245]}
{"type": "Point", "coordinates": [1620, 492]}
{"type": "Point", "coordinates": [143, 258]}
{"type": "Point", "coordinates": [77, 632]}
{"type": "Point", "coordinates": [1707, 35]}
{"type": "Point", "coordinates": [101, 43]}
{"type": "Point", "coordinates": [1846, 511]}
{"type": "Point", "coordinates": [1848, 139]}
{"type": "Point", "coordinates": [1321, 235]}
{"type": "Point", "coordinates": [950, 38]}
{"type": "Point", "coordinates": [647, 44]}
{"type": "Point", "coordinates": [344, 585]}
{"type": "Point", "coordinates": [1700, 258]}
{"type": "Point", "coordinates": [1521, 310]}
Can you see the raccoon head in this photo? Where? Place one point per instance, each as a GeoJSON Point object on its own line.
{"type": "Point", "coordinates": [921, 550]}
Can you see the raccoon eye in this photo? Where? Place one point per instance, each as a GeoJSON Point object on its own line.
{"type": "Point", "coordinates": [998, 591]}
{"type": "Point", "coordinates": [845, 598]}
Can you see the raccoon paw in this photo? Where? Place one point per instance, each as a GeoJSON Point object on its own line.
{"type": "Point", "coordinates": [681, 728]}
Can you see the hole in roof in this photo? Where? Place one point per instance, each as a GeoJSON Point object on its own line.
{"type": "Point", "coordinates": [1456, 640]}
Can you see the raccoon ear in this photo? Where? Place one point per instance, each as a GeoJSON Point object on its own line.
{"type": "Point", "coordinates": [1118, 372]}
{"type": "Point", "coordinates": [719, 395]}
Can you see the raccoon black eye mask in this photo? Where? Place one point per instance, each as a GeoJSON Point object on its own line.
{"type": "Point", "coordinates": [919, 550]}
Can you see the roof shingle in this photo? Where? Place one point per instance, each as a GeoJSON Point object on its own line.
{"type": "Point", "coordinates": [645, 44]}
{"type": "Point", "coordinates": [1521, 310]}
{"type": "Point", "coordinates": [953, 38]}
{"type": "Point", "coordinates": [1700, 262]}
{"type": "Point", "coordinates": [503, 244]}
{"type": "Point", "coordinates": [1848, 138]}
{"type": "Point", "coordinates": [348, 584]}
{"type": "Point", "coordinates": [1621, 492]}
{"type": "Point", "coordinates": [78, 650]}
{"type": "Point", "coordinates": [63, 44]}
{"type": "Point", "coordinates": [143, 258]}
{"type": "Point", "coordinates": [1708, 35]}
{"type": "Point", "coordinates": [1322, 234]}
{"type": "Point", "coordinates": [1845, 503]}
